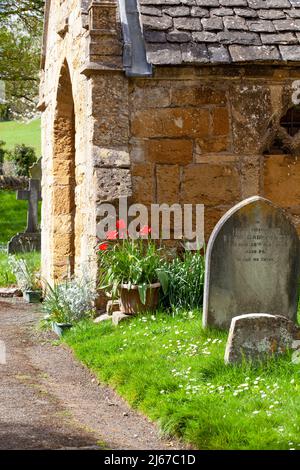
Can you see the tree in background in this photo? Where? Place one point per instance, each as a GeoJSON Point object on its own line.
{"type": "Point", "coordinates": [23, 157]}
{"type": "Point", "coordinates": [20, 42]}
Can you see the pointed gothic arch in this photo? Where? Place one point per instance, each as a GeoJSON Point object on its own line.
{"type": "Point", "coordinates": [64, 179]}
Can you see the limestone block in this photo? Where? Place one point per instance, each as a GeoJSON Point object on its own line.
{"type": "Point", "coordinates": [112, 183]}
{"type": "Point", "coordinates": [118, 317]}
{"type": "Point", "coordinates": [102, 318]}
{"type": "Point", "coordinates": [250, 99]}
{"type": "Point", "coordinates": [143, 187]}
{"type": "Point", "coordinates": [171, 122]}
{"type": "Point", "coordinates": [168, 181]}
{"type": "Point", "coordinates": [197, 95]}
{"type": "Point", "coordinates": [220, 121]}
{"type": "Point", "coordinates": [171, 151]}
{"type": "Point", "coordinates": [210, 184]}
{"type": "Point", "coordinates": [110, 157]}
{"type": "Point", "coordinates": [282, 179]}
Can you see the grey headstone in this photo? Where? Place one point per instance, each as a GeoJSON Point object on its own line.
{"type": "Point", "coordinates": [30, 240]}
{"type": "Point", "coordinates": [259, 336]}
{"type": "Point", "coordinates": [36, 170]}
{"type": "Point", "coordinates": [33, 196]}
{"type": "Point", "coordinates": [252, 264]}
{"type": "Point", "coordinates": [24, 242]}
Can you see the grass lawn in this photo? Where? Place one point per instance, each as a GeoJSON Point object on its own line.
{"type": "Point", "coordinates": [13, 215]}
{"type": "Point", "coordinates": [14, 132]}
{"type": "Point", "coordinates": [7, 278]}
{"type": "Point", "coordinates": [173, 371]}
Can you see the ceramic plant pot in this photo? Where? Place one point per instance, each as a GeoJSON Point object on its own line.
{"type": "Point", "coordinates": [60, 328]}
{"type": "Point", "coordinates": [33, 296]}
{"type": "Point", "coordinates": [130, 302]}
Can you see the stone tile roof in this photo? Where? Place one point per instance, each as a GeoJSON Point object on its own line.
{"type": "Point", "coordinates": [220, 31]}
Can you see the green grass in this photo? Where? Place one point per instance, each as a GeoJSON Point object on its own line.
{"type": "Point", "coordinates": [22, 133]}
{"type": "Point", "coordinates": [7, 278]}
{"type": "Point", "coordinates": [173, 371]}
{"type": "Point", "coordinates": [13, 215]}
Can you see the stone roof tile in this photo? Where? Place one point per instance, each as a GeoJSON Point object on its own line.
{"type": "Point", "coordinates": [220, 31]}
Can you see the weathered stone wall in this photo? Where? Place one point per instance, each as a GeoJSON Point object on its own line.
{"type": "Point", "coordinates": [187, 134]}
{"type": "Point", "coordinates": [85, 128]}
{"type": "Point", "coordinates": [198, 135]}
{"type": "Point", "coordinates": [68, 212]}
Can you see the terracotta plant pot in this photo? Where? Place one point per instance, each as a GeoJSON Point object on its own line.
{"type": "Point", "coordinates": [130, 302]}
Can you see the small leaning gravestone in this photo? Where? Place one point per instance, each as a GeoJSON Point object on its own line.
{"type": "Point", "coordinates": [259, 335]}
{"type": "Point", "coordinates": [252, 264]}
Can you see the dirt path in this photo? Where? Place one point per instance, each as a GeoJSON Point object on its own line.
{"type": "Point", "coordinates": [50, 401]}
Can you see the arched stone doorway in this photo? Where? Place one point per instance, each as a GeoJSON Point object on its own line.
{"type": "Point", "coordinates": [64, 180]}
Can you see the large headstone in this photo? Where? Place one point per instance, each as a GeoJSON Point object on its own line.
{"type": "Point", "coordinates": [252, 264]}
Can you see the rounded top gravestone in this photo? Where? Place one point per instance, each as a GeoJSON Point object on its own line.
{"type": "Point", "coordinates": [252, 264]}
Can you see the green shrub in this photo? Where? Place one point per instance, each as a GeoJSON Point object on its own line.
{"type": "Point", "coordinates": [69, 301]}
{"type": "Point", "coordinates": [26, 272]}
{"type": "Point", "coordinates": [23, 158]}
{"type": "Point", "coordinates": [7, 277]}
{"type": "Point", "coordinates": [5, 113]}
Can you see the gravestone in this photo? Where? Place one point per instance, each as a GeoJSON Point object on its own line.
{"type": "Point", "coordinates": [258, 336]}
{"type": "Point", "coordinates": [252, 264]}
{"type": "Point", "coordinates": [35, 170]}
{"type": "Point", "coordinates": [30, 240]}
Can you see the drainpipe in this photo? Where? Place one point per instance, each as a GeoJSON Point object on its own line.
{"type": "Point", "coordinates": [134, 52]}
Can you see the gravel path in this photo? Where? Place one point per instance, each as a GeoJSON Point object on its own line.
{"type": "Point", "coordinates": [50, 401]}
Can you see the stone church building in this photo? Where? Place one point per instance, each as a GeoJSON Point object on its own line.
{"type": "Point", "coordinates": [189, 101]}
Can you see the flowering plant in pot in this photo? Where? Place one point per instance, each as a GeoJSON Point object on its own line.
{"type": "Point", "coordinates": [128, 269]}
{"type": "Point", "coordinates": [28, 278]}
{"type": "Point", "coordinates": [68, 303]}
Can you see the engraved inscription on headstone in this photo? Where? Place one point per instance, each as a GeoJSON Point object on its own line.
{"type": "Point", "coordinates": [252, 264]}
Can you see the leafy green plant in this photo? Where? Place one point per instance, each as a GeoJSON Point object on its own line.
{"type": "Point", "coordinates": [7, 277]}
{"type": "Point", "coordinates": [182, 281]}
{"type": "Point", "coordinates": [26, 273]}
{"type": "Point", "coordinates": [23, 158]}
{"type": "Point", "coordinates": [69, 302]}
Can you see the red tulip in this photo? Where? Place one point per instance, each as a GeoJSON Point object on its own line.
{"type": "Point", "coordinates": [103, 246]}
{"type": "Point", "coordinates": [112, 235]}
{"type": "Point", "coordinates": [120, 224]}
{"type": "Point", "coordinates": [145, 230]}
